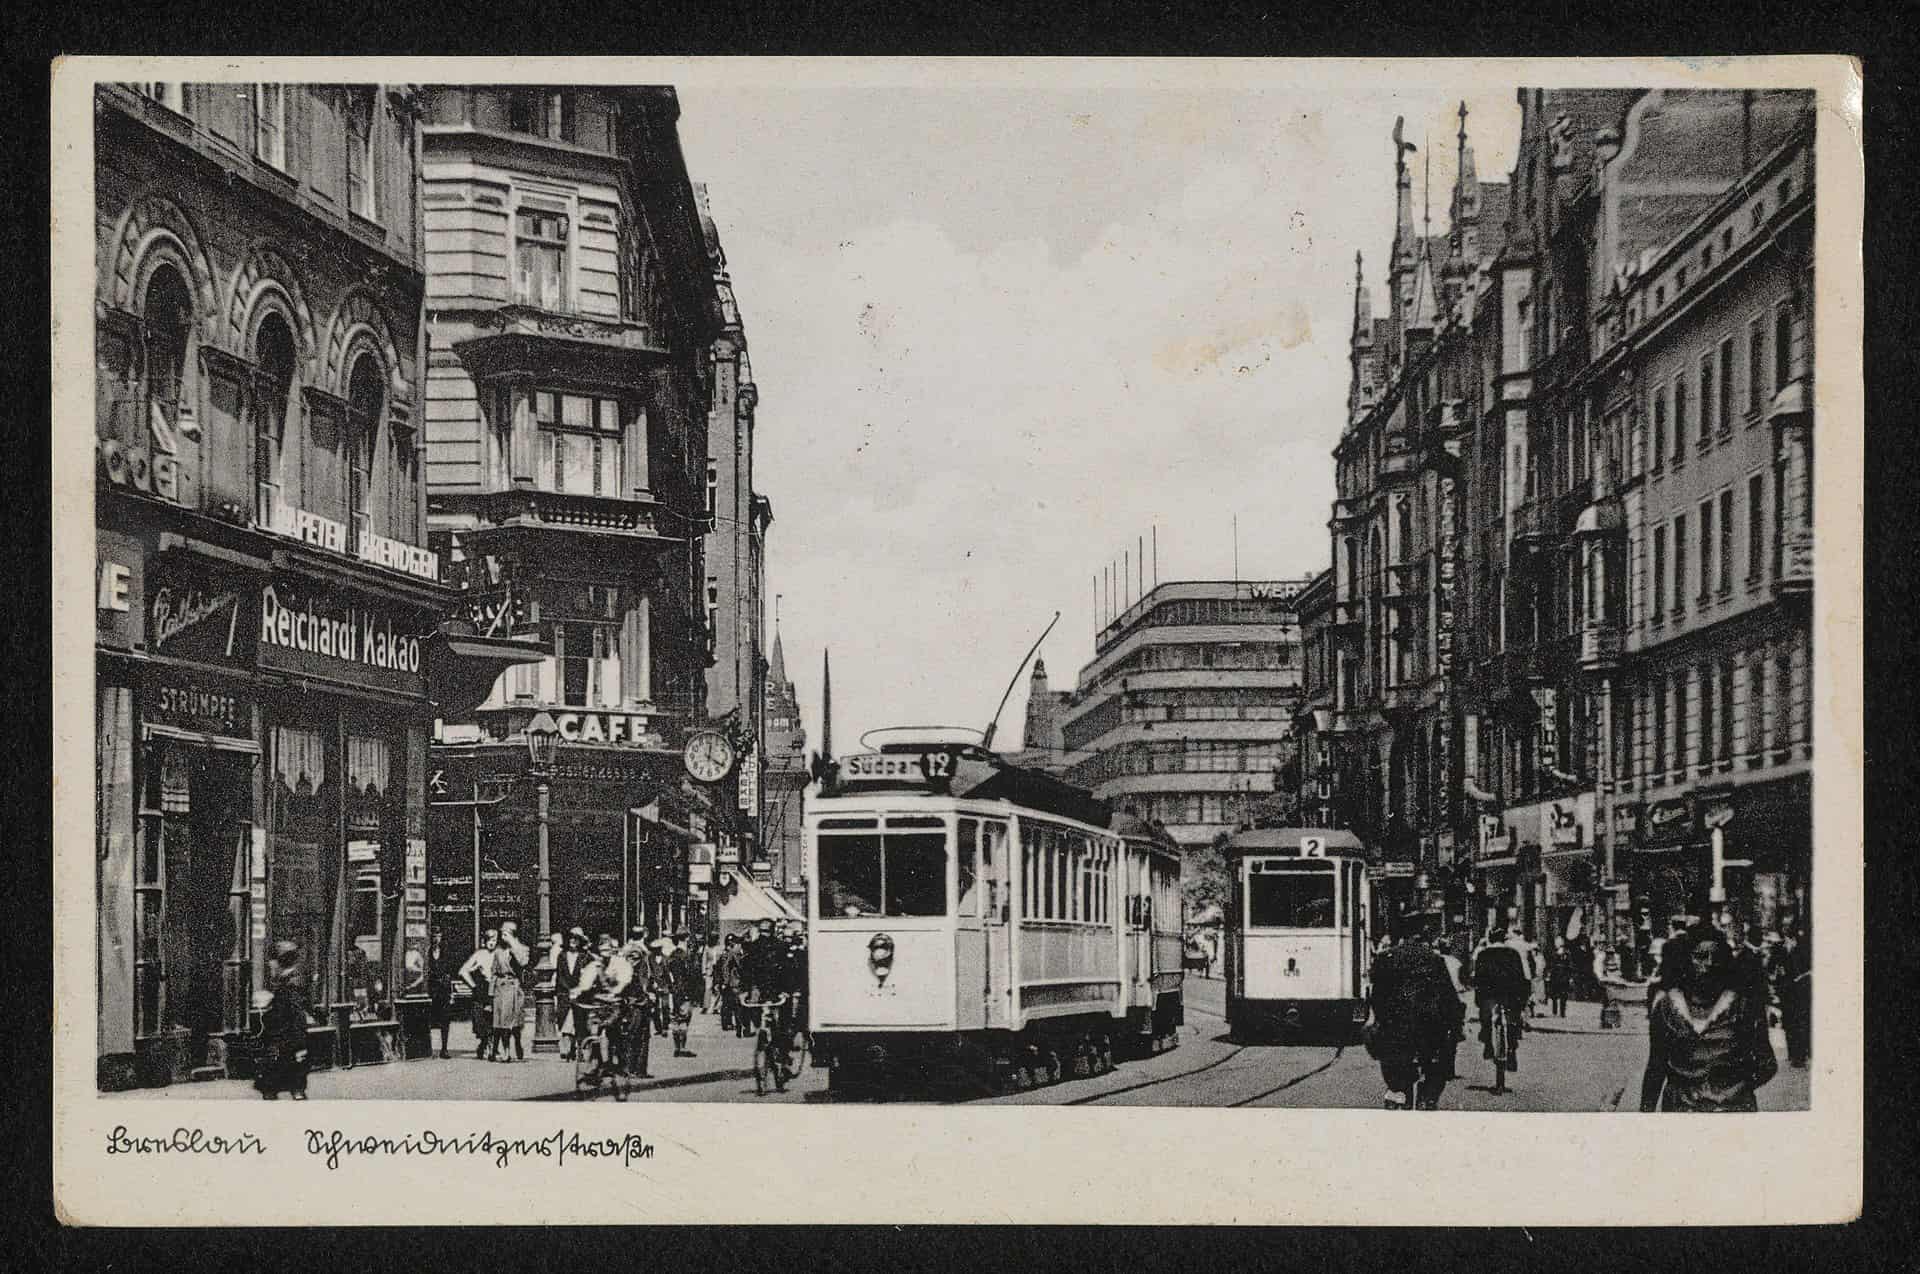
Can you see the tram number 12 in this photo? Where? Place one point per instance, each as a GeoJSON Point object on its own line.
{"type": "Point", "coordinates": [939, 765]}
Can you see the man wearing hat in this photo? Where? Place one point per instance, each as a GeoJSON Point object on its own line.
{"type": "Point", "coordinates": [568, 966]}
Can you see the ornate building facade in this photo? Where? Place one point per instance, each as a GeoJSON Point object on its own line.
{"type": "Point", "coordinates": [571, 319]}
{"type": "Point", "coordinates": [269, 643]}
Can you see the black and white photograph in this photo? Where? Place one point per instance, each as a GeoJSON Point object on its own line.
{"type": "Point", "coordinates": [913, 591]}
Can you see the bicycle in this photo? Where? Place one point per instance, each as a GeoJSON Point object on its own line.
{"type": "Point", "coordinates": [595, 1064]}
{"type": "Point", "coordinates": [771, 1061]}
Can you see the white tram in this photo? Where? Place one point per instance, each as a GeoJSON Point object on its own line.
{"type": "Point", "coordinates": [1297, 933]}
{"type": "Point", "coordinates": [964, 911]}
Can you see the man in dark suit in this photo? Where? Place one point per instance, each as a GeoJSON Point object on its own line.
{"type": "Point", "coordinates": [1415, 1011]}
{"type": "Point", "coordinates": [567, 971]}
{"type": "Point", "coordinates": [1500, 977]}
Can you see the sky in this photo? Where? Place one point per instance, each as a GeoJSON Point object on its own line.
{"type": "Point", "coordinates": [1002, 331]}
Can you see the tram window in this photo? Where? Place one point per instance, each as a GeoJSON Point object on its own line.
{"type": "Point", "coordinates": [900, 874]}
{"type": "Point", "coordinates": [967, 866]}
{"type": "Point", "coordinates": [916, 874]}
{"type": "Point", "coordinates": [849, 876]}
{"type": "Point", "coordinates": [1290, 900]}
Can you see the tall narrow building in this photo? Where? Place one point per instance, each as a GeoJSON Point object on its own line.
{"type": "Point", "coordinates": [786, 777]}
{"type": "Point", "coordinates": [571, 319]}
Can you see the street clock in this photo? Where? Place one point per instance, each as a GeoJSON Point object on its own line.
{"type": "Point", "coordinates": [709, 756]}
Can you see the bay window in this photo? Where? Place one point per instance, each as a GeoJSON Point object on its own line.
{"type": "Point", "coordinates": [580, 443]}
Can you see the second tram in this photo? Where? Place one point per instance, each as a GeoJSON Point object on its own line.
{"type": "Point", "coordinates": [1298, 949]}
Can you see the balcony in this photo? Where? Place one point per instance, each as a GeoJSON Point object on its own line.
{"type": "Point", "coordinates": [1346, 512]}
{"type": "Point", "coordinates": [1600, 647]}
{"type": "Point", "coordinates": [525, 340]}
{"type": "Point", "coordinates": [1543, 522]}
{"type": "Point", "coordinates": [1795, 578]}
{"type": "Point", "coordinates": [571, 512]}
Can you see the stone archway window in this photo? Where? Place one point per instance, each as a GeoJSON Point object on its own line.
{"type": "Point", "coordinates": [366, 403]}
{"type": "Point", "coordinates": [275, 359]}
{"type": "Point", "coordinates": [166, 316]}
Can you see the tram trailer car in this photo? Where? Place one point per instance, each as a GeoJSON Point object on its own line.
{"type": "Point", "coordinates": [1298, 956]}
{"type": "Point", "coordinates": [967, 913]}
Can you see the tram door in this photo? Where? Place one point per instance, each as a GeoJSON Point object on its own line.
{"type": "Point", "coordinates": [971, 954]}
{"type": "Point", "coordinates": [996, 905]}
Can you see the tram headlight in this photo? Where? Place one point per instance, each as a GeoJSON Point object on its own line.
{"type": "Point", "coordinates": [880, 956]}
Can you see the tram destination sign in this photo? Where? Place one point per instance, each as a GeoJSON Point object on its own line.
{"type": "Point", "coordinates": [933, 769]}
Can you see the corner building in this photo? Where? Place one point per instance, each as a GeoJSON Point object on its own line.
{"type": "Point", "coordinates": [1185, 714]}
{"type": "Point", "coordinates": [571, 314]}
{"type": "Point", "coordinates": [268, 643]}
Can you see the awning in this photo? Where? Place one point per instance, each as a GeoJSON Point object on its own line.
{"type": "Point", "coordinates": [199, 739]}
{"type": "Point", "coordinates": [462, 668]}
{"type": "Point", "coordinates": [747, 901]}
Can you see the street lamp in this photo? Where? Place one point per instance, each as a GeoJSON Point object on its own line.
{"type": "Point", "coordinates": [543, 741]}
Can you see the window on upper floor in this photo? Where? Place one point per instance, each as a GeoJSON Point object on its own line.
{"type": "Point", "coordinates": [540, 259]}
{"type": "Point", "coordinates": [171, 96]}
{"type": "Point", "coordinates": [1726, 386]}
{"type": "Point", "coordinates": [272, 394]}
{"type": "Point", "coordinates": [270, 124]}
{"type": "Point", "coordinates": [1679, 420]}
{"type": "Point", "coordinates": [581, 442]}
{"type": "Point", "coordinates": [1782, 345]}
{"type": "Point", "coordinates": [366, 400]}
{"type": "Point", "coordinates": [361, 196]}
{"type": "Point", "coordinates": [1756, 366]}
{"type": "Point", "coordinates": [1707, 399]}
{"type": "Point", "coordinates": [1657, 453]}
{"type": "Point", "coordinates": [548, 113]}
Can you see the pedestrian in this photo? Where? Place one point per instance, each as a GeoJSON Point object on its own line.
{"type": "Point", "coordinates": [477, 976]}
{"type": "Point", "coordinates": [440, 976]}
{"type": "Point", "coordinates": [1560, 973]}
{"type": "Point", "coordinates": [283, 1027]}
{"type": "Point", "coordinates": [1796, 998]}
{"type": "Point", "coordinates": [568, 968]}
{"type": "Point", "coordinates": [709, 957]}
{"type": "Point", "coordinates": [1416, 1015]}
{"type": "Point", "coordinates": [726, 980]}
{"type": "Point", "coordinates": [508, 966]}
{"type": "Point", "coordinates": [1707, 1042]}
{"type": "Point", "coordinates": [1530, 959]}
{"type": "Point", "coordinates": [636, 1039]}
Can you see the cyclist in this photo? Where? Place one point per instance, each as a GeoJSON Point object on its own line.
{"type": "Point", "coordinates": [1415, 1013]}
{"type": "Point", "coordinates": [1500, 977]}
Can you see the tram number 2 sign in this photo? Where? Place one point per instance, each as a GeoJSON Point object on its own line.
{"type": "Point", "coordinates": [1313, 847]}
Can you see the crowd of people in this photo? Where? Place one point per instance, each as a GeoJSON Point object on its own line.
{"type": "Point", "coordinates": [646, 987]}
{"type": "Point", "coordinates": [1709, 1006]}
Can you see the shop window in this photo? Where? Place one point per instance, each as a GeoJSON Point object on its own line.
{"type": "Point", "coordinates": [369, 827]}
{"type": "Point", "coordinates": [270, 124]}
{"type": "Point", "coordinates": [306, 854]}
{"type": "Point", "coordinates": [540, 259]}
{"type": "Point", "coordinates": [580, 443]}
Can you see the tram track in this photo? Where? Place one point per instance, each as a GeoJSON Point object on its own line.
{"type": "Point", "coordinates": [1301, 1078]}
{"type": "Point", "coordinates": [1090, 1098]}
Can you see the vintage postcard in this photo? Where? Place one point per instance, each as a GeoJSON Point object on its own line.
{"type": "Point", "coordinates": [975, 640]}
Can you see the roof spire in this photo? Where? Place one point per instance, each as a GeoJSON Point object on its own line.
{"type": "Point", "coordinates": [1403, 186]}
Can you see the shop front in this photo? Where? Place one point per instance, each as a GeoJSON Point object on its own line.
{"type": "Point", "coordinates": [1767, 834]}
{"type": "Point", "coordinates": [260, 745]}
{"type": "Point", "coordinates": [619, 823]}
{"type": "Point", "coordinates": [1671, 869]}
{"type": "Point", "coordinates": [1495, 885]}
{"type": "Point", "coordinates": [1570, 902]}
